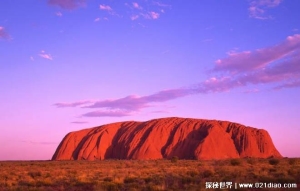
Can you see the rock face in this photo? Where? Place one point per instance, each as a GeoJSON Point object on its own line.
{"type": "Point", "coordinates": [165, 138]}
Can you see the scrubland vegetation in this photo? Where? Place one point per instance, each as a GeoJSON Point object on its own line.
{"type": "Point", "coordinates": [148, 175]}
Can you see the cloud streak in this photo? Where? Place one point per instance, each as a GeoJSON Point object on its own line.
{"type": "Point", "coordinates": [251, 60]}
{"type": "Point", "coordinates": [105, 7]}
{"type": "Point", "coordinates": [3, 33]}
{"type": "Point", "coordinates": [161, 4]}
{"type": "Point", "coordinates": [257, 8]}
{"type": "Point", "coordinates": [293, 84]}
{"type": "Point", "coordinates": [43, 54]}
{"type": "Point", "coordinates": [67, 4]}
{"type": "Point", "coordinates": [138, 11]}
{"type": "Point", "coordinates": [117, 113]}
{"type": "Point", "coordinates": [73, 104]}
{"type": "Point", "coordinates": [136, 6]}
{"type": "Point", "coordinates": [59, 14]}
{"type": "Point", "coordinates": [40, 143]}
{"type": "Point", "coordinates": [150, 15]}
{"type": "Point", "coordinates": [79, 122]}
{"type": "Point", "coordinates": [154, 15]}
{"type": "Point", "coordinates": [277, 65]}
{"type": "Point", "coordinates": [134, 17]}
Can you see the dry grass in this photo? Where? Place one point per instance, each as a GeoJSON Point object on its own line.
{"type": "Point", "coordinates": [148, 175]}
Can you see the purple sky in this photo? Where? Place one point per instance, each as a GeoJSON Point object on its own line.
{"type": "Point", "coordinates": [66, 65]}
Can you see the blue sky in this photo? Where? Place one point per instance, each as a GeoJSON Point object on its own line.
{"type": "Point", "coordinates": [66, 65]}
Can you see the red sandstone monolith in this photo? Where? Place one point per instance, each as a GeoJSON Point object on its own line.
{"type": "Point", "coordinates": [167, 137]}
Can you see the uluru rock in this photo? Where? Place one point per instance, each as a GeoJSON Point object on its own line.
{"type": "Point", "coordinates": [167, 137]}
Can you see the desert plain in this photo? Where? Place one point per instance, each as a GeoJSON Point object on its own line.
{"type": "Point", "coordinates": [148, 175]}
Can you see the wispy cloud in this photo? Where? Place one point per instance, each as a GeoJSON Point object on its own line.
{"type": "Point", "coordinates": [275, 65]}
{"type": "Point", "coordinates": [40, 142]}
{"type": "Point", "coordinates": [251, 91]}
{"type": "Point", "coordinates": [134, 17]}
{"type": "Point", "coordinates": [267, 3]}
{"type": "Point", "coordinates": [68, 4]}
{"type": "Point", "coordinates": [45, 55]}
{"type": "Point", "coordinates": [293, 84]}
{"type": "Point", "coordinates": [135, 103]}
{"type": "Point", "coordinates": [59, 14]}
{"type": "Point", "coordinates": [100, 19]}
{"type": "Point", "coordinates": [154, 15]}
{"type": "Point", "coordinates": [73, 104]}
{"type": "Point", "coordinates": [160, 111]}
{"type": "Point", "coordinates": [79, 122]}
{"type": "Point", "coordinates": [251, 60]}
{"type": "Point", "coordinates": [161, 4]}
{"type": "Point", "coordinates": [257, 8]}
{"type": "Point", "coordinates": [146, 10]}
{"type": "Point", "coordinates": [105, 7]}
{"type": "Point", "coordinates": [108, 9]}
{"type": "Point", "coordinates": [136, 6]}
{"type": "Point", "coordinates": [127, 105]}
{"type": "Point", "coordinates": [257, 13]}
{"type": "Point", "coordinates": [3, 33]}
{"type": "Point", "coordinates": [109, 113]}
{"type": "Point", "coordinates": [150, 15]}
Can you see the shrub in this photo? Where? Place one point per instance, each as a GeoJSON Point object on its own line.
{"type": "Point", "coordinates": [148, 180]}
{"type": "Point", "coordinates": [187, 180]}
{"type": "Point", "coordinates": [207, 173]}
{"type": "Point", "coordinates": [264, 178]}
{"type": "Point", "coordinates": [285, 180]}
{"type": "Point", "coordinates": [174, 159]}
{"type": "Point", "coordinates": [110, 186]}
{"type": "Point", "coordinates": [292, 172]}
{"type": "Point", "coordinates": [26, 183]}
{"type": "Point", "coordinates": [34, 174]}
{"type": "Point", "coordinates": [274, 161]}
{"type": "Point", "coordinates": [128, 180]}
{"type": "Point", "coordinates": [251, 161]}
{"type": "Point", "coordinates": [292, 161]}
{"type": "Point", "coordinates": [235, 162]}
{"type": "Point", "coordinates": [108, 179]}
{"type": "Point", "coordinates": [192, 173]}
{"type": "Point", "coordinates": [151, 188]}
